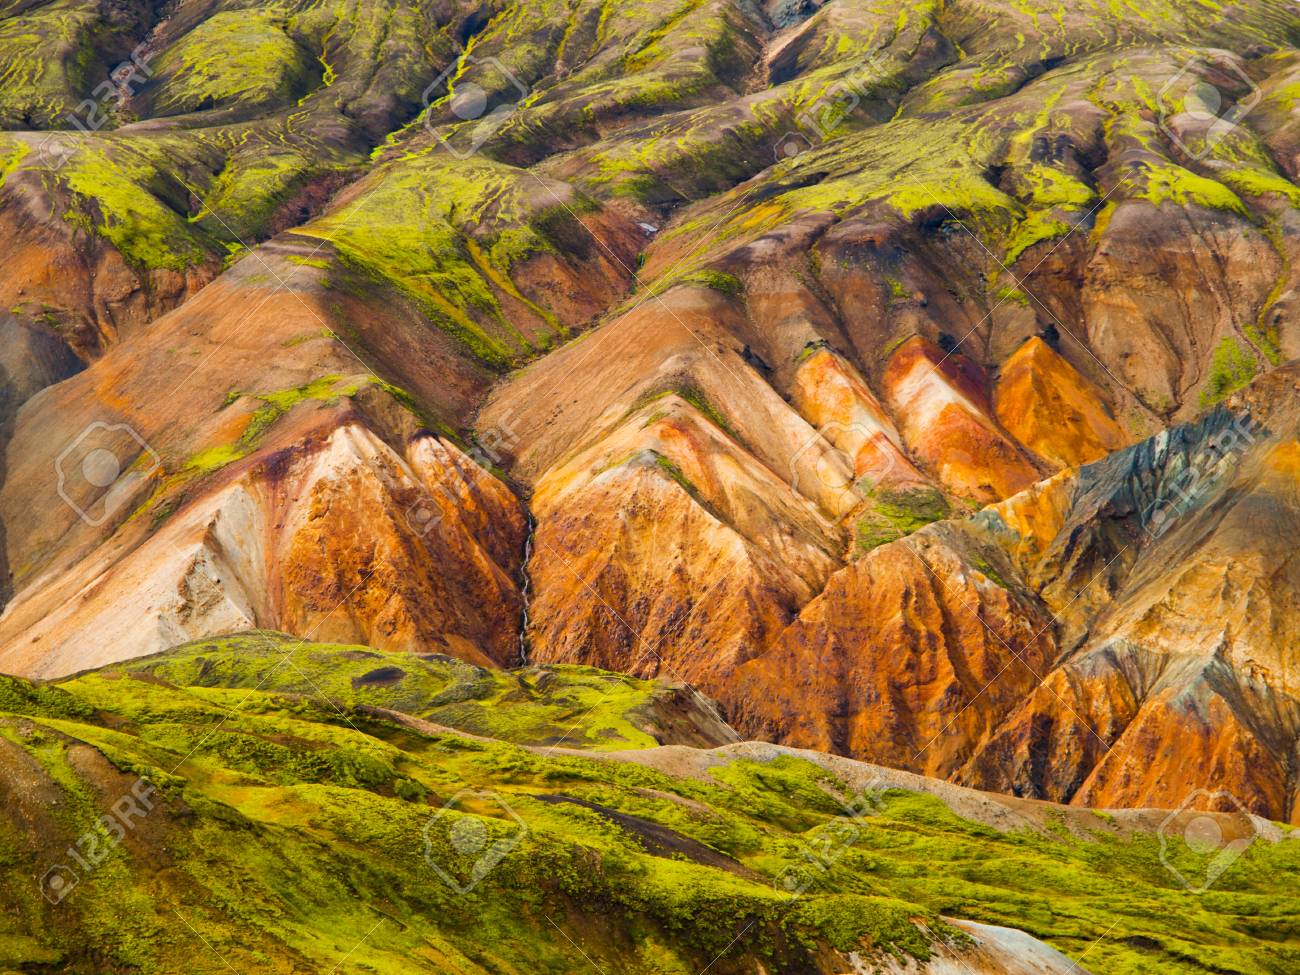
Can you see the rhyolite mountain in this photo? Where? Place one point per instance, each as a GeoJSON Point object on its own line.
{"type": "Point", "coordinates": [914, 379]}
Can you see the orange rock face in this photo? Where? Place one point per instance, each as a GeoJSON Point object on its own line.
{"type": "Point", "coordinates": [1188, 736]}
{"type": "Point", "coordinates": [1081, 641]}
{"type": "Point", "coordinates": [665, 549]}
{"type": "Point", "coordinates": [398, 553]}
{"type": "Point", "coordinates": [941, 405]}
{"type": "Point", "coordinates": [1052, 410]}
{"type": "Point", "coordinates": [342, 539]}
{"type": "Point", "coordinates": [909, 658]}
{"type": "Point", "coordinates": [93, 293]}
{"type": "Point", "coordinates": [1034, 647]}
{"type": "Point", "coordinates": [831, 395]}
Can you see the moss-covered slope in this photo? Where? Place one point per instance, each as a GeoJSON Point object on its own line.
{"type": "Point", "coordinates": [283, 827]}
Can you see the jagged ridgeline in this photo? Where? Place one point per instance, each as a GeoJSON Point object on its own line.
{"type": "Point", "coordinates": [304, 806]}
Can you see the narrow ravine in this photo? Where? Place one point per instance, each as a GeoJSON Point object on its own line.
{"type": "Point", "coordinates": [525, 590]}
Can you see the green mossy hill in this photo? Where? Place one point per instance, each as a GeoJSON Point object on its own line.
{"type": "Point", "coordinates": [891, 515]}
{"type": "Point", "coordinates": [555, 705]}
{"type": "Point", "coordinates": [53, 54]}
{"type": "Point", "coordinates": [297, 830]}
{"type": "Point", "coordinates": [281, 102]}
{"type": "Point", "coordinates": [448, 232]}
{"type": "Point", "coordinates": [232, 58]}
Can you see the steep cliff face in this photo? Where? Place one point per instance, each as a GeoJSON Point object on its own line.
{"type": "Point", "coordinates": [339, 536]}
{"type": "Point", "coordinates": [948, 423]}
{"type": "Point", "coordinates": [707, 554]}
{"type": "Point", "coordinates": [1058, 415]}
{"type": "Point", "coordinates": [1121, 635]}
{"type": "Point", "coordinates": [1187, 641]}
{"type": "Point", "coordinates": [910, 656]}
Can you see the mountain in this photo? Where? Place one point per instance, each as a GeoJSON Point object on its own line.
{"type": "Point", "coordinates": [893, 382]}
{"type": "Point", "coordinates": [271, 805]}
{"type": "Point", "coordinates": [1077, 633]}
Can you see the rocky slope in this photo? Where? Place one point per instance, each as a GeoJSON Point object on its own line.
{"type": "Point", "coordinates": [865, 364]}
{"type": "Point", "coordinates": [1117, 635]}
{"type": "Point", "coordinates": [261, 803]}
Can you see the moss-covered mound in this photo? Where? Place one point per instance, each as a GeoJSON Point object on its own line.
{"type": "Point", "coordinates": [250, 803]}
{"type": "Point", "coordinates": [556, 705]}
{"type": "Point", "coordinates": [234, 58]}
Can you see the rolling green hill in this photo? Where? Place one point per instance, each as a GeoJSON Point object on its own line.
{"type": "Point", "coordinates": [283, 828]}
